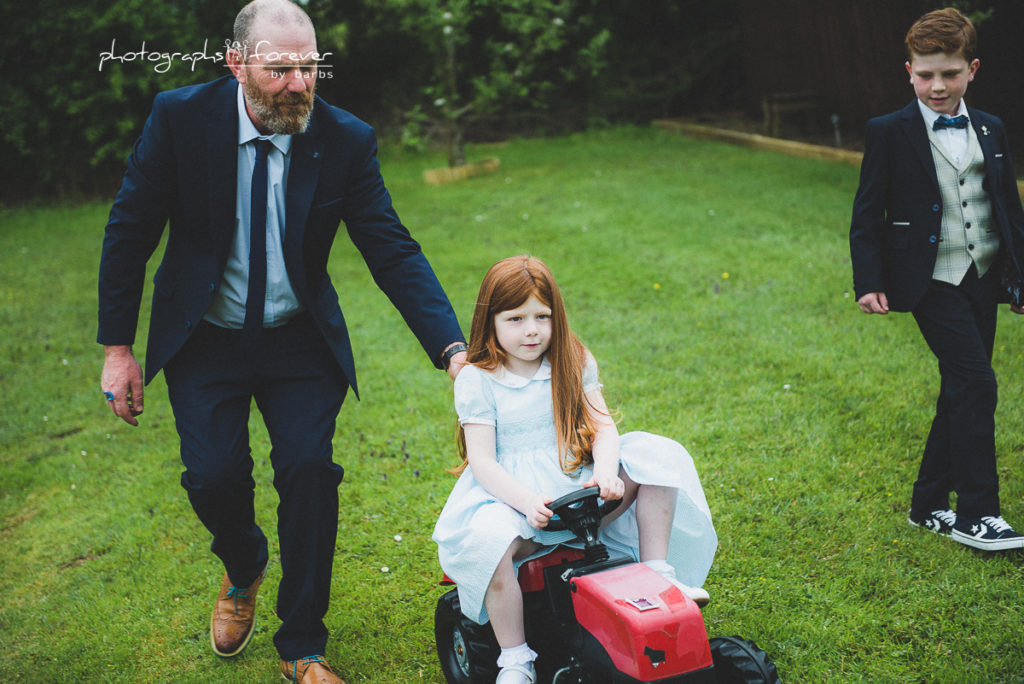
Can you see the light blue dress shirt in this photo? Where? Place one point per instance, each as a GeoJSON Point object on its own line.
{"type": "Point", "coordinates": [228, 307]}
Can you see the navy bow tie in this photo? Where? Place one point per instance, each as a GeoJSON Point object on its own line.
{"type": "Point", "coordinates": [946, 122]}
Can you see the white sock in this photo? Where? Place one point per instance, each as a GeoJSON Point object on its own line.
{"type": "Point", "coordinates": [662, 567]}
{"type": "Point", "coordinates": [517, 655]}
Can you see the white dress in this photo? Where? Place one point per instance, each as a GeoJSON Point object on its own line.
{"type": "Point", "coordinates": [475, 529]}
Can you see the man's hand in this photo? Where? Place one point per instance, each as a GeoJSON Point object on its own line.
{"type": "Point", "coordinates": [874, 302]}
{"type": "Point", "coordinates": [122, 378]}
{"type": "Point", "coordinates": [456, 363]}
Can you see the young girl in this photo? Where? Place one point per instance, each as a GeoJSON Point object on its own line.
{"type": "Point", "coordinates": [534, 427]}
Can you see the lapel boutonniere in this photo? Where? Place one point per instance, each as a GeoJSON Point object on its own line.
{"type": "Point", "coordinates": [984, 130]}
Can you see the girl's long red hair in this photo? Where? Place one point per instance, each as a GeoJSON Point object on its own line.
{"type": "Point", "coordinates": [507, 285]}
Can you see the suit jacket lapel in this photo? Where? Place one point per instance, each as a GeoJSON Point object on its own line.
{"type": "Point", "coordinates": [222, 167]}
{"type": "Point", "coordinates": [913, 126]}
{"type": "Point", "coordinates": [303, 174]}
{"type": "Point", "coordinates": [989, 148]}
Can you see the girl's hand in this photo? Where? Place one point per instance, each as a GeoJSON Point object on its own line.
{"type": "Point", "coordinates": [612, 487]}
{"type": "Point", "coordinates": [537, 512]}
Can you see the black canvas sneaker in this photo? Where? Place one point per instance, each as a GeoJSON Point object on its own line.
{"type": "Point", "coordinates": [939, 522]}
{"type": "Point", "coordinates": [988, 533]}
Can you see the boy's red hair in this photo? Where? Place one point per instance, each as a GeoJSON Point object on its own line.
{"type": "Point", "coordinates": [945, 30]}
{"type": "Point", "coordinates": [507, 285]}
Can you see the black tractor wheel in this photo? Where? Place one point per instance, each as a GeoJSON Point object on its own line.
{"type": "Point", "coordinates": [740, 661]}
{"type": "Point", "coordinates": [468, 652]}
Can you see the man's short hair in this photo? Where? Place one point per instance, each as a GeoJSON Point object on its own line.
{"type": "Point", "coordinates": [945, 30]}
{"type": "Point", "coordinates": [277, 11]}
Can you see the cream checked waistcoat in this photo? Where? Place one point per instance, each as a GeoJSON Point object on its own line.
{"type": "Point", "coordinates": [968, 234]}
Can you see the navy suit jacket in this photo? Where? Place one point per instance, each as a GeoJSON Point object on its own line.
{"type": "Point", "coordinates": [897, 212]}
{"type": "Point", "coordinates": [183, 170]}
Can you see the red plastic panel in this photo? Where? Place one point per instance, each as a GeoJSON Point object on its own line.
{"type": "Point", "coordinates": [531, 573]}
{"type": "Point", "coordinates": [649, 628]}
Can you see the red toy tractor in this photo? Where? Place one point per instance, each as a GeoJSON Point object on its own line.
{"type": "Point", "coordinates": [598, 620]}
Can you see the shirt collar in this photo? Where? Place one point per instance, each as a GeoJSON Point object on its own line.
{"type": "Point", "coordinates": [503, 377]}
{"type": "Point", "coordinates": [931, 116]}
{"type": "Point", "coordinates": [248, 132]}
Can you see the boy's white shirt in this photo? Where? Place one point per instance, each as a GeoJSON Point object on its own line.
{"type": "Point", "coordinates": [954, 140]}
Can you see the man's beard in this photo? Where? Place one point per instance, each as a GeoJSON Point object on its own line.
{"type": "Point", "coordinates": [272, 113]}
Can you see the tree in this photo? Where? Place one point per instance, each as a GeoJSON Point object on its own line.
{"type": "Point", "coordinates": [82, 77]}
{"type": "Point", "coordinates": [494, 56]}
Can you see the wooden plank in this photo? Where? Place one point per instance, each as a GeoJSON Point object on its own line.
{"type": "Point", "coordinates": [447, 174]}
{"type": "Point", "coordinates": [764, 142]}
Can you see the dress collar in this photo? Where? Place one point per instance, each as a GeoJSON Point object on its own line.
{"type": "Point", "coordinates": [503, 377]}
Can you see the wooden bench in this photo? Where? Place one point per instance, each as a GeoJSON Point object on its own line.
{"type": "Point", "coordinates": [776, 104]}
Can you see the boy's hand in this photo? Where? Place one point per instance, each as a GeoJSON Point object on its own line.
{"type": "Point", "coordinates": [612, 486]}
{"type": "Point", "coordinates": [874, 302]}
{"type": "Point", "coordinates": [537, 512]}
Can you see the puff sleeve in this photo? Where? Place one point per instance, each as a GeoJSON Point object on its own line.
{"type": "Point", "coordinates": [474, 397]}
{"type": "Point", "coordinates": [591, 381]}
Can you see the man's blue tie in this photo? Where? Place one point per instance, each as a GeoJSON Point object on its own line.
{"type": "Point", "coordinates": [254, 300]}
{"type": "Point", "coordinates": [946, 122]}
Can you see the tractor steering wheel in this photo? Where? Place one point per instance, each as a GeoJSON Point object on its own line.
{"type": "Point", "coordinates": [579, 508]}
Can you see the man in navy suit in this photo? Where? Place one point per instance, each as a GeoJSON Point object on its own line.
{"type": "Point", "coordinates": [938, 230]}
{"type": "Point", "coordinates": [255, 173]}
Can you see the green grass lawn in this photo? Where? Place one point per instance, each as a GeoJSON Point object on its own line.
{"type": "Point", "coordinates": [712, 284]}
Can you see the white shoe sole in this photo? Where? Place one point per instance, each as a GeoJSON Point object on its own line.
{"type": "Point", "coordinates": [517, 674]}
{"type": "Point", "coordinates": [928, 529]}
{"type": "Point", "coordinates": [994, 545]}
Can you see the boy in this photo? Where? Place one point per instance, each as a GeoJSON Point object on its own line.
{"type": "Point", "coordinates": [937, 219]}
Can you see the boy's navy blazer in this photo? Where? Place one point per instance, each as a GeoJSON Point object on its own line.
{"type": "Point", "coordinates": [897, 213]}
{"type": "Point", "coordinates": [183, 170]}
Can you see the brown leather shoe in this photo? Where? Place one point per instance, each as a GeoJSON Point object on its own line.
{"type": "Point", "coordinates": [234, 617]}
{"type": "Point", "coordinates": [311, 670]}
